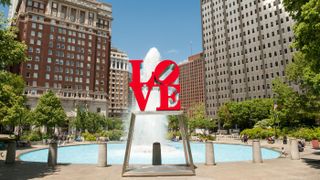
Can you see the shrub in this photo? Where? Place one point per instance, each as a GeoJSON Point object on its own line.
{"type": "Point", "coordinates": [172, 134]}
{"type": "Point", "coordinates": [115, 135]}
{"type": "Point", "coordinates": [258, 133]}
{"type": "Point", "coordinates": [31, 136]}
{"type": "Point", "coordinates": [204, 137]}
{"type": "Point", "coordinates": [306, 133]}
{"type": "Point", "coordinates": [88, 136]}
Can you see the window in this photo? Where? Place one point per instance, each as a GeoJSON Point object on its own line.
{"type": "Point", "coordinates": [29, 2]}
{"type": "Point", "coordinates": [36, 67]}
{"type": "Point", "coordinates": [35, 75]}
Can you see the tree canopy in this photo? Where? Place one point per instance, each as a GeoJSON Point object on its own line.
{"type": "Point", "coordinates": [305, 69]}
{"type": "Point", "coordinates": [49, 112]}
{"type": "Point", "coordinates": [244, 114]}
{"type": "Point", "coordinates": [12, 51]}
{"type": "Point", "coordinates": [199, 120]}
{"type": "Point", "coordinates": [11, 97]}
{"type": "Point", "coordinates": [5, 2]}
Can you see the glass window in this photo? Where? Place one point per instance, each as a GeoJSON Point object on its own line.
{"type": "Point", "coordinates": [36, 67]}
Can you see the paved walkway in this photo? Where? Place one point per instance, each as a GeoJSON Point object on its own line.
{"type": "Point", "coordinates": [308, 168]}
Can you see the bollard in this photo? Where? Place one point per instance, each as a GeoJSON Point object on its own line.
{"type": "Point", "coordinates": [53, 154]}
{"type": "Point", "coordinates": [11, 152]}
{"type": "Point", "coordinates": [210, 154]}
{"type": "Point", "coordinates": [294, 149]}
{"type": "Point", "coordinates": [102, 157]}
{"type": "Point", "coordinates": [156, 154]}
{"type": "Point", "coordinates": [256, 151]}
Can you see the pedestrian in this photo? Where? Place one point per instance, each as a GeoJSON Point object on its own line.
{"type": "Point", "coordinates": [285, 140]}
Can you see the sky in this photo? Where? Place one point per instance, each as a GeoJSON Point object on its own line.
{"type": "Point", "coordinates": [172, 26]}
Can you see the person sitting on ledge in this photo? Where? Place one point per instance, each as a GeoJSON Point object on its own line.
{"type": "Point", "coordinates": [245, 138]}
{"type": "Point", "coordinates": [283, 152]}
{"type": "Point", "coordinates": [270, 140]}
{"type": "Point", "coordinates": [300, 146]}
{"type": "Point", "coordinates": [285, 140]}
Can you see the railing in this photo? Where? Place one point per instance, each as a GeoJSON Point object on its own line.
{"type": "Point", "coordinates": [227, 137]}
{"type": "Point", "coordinates": [67, 94]}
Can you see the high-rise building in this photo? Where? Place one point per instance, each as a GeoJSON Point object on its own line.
{"type": "Point", "coordinates": [192, 82]}
{"type": "Point", "coordinates": [119, 84]}
{"type": "Point", "coordinates": [69, 50]}
{"type": "Point", "coordinates": [246, 45]}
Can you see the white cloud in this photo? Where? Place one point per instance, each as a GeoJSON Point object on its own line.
{"type": "Point", "coordinates": [184, 61]}
{"type": "Point", "coordinates": [172, 51]}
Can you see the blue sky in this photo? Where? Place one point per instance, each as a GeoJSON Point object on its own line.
{"type": "Point", "coordinates": [169, 25]}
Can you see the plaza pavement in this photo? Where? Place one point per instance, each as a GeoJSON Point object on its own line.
{"type": "Point", "coordinates": [308, 168]}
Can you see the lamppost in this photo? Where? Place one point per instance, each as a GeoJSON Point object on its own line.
{"type": "Point", "coordinates": [275, 105]}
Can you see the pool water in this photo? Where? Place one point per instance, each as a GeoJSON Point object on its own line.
{"type": "Point", "coordinates": [172, 153]}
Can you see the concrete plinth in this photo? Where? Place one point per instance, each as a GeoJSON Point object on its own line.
{"type": "Point", "coordinates": [294, 150]}
{"type": "Point", "coordinates": [11, 152]}
{"type": "Point", "coordinates": [210, 161]}
{"type": "Point", "coordinates": [53, 154]}
{"type": "Point", "coordinates": [102, 157]}
{"type": "Point", "coordinates": [156, 154]}
{"type": "Point", "coordinates": [256, 151]}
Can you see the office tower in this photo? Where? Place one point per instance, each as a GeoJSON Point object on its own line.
{"type": "Point", "coordinates": [119, 84]}
{"type": "Point", "coordinates": [69, 50]}
{"type": "Point", "coordinates": [246, 45]}
{"type": "Point", "coordinates": [192, 83]}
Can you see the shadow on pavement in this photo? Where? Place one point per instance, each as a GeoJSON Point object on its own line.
{"type": "Point", "coordinates": [26, 170]}
{"type": "Point", "coordinates": [313, 162]}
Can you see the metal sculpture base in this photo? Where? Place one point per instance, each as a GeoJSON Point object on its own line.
{"type": "Point", "coordinates": [187, 169]}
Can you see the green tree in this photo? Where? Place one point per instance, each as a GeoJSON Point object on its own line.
{"type": "Point", "coordinates": [80, 120]}
{"type": "Point", "coordinates": [49, 112]}
{"type": "Point", "coordinates": [288, 112]}
{"type": "Point", "coordinates": [114, 124]}
{"type": "Point", "coordinates": [12, 51]}
{"type": "Point", "coordinates": [199, 120]}
{"type": "Point", "coordinates": [95, 122]}
{"type": "Point", "coordinates": [5, 2]}
{"type": "Point", "coordinates": [225, 116]}
{"type": "Point", "coordinates": [11, 97]}
{"type": "Point", "coordinates": [244, 114]}
{"type": "Point", "coordinates": [305, 69]}
{"type": "Point", "coordinates": [173, 123]}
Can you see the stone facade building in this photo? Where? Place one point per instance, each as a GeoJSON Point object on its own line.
{"type": "Point", "coordinates": [246, 44]}
{"type": "Point", "coordinates": [192, 82]}
{"type": "Point", "coordinates": [119, 84]}
{"type": "Point", "coordinates": [69, 50]}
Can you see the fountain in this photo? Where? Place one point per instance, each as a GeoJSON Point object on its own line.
{"type": "Point", "coordinates": [150, 126]}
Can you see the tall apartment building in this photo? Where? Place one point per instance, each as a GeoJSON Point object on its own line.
{"type": "Point", "coordinates": [192, 82]}
{"type": "Point", "coordinates": [119, 84]}
{"type": "Point", "coordinates": [246, 45]}
{"type": "Point", "coordinates": [69, 50]}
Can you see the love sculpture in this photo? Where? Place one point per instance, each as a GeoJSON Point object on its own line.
{"type": "Point", "coordinates": [155, 81]}
{"type": "Point", "coordinates": [169, 90]}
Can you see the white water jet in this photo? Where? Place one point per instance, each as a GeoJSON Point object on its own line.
{"type": "Point", "coordinates": [150, 128]}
